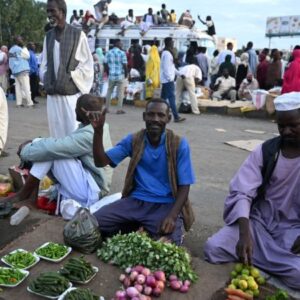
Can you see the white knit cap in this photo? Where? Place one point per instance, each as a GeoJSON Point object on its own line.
{"type": "Point", "coordinates": [286, 102]}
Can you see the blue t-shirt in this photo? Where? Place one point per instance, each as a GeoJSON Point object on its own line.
{"type": "Point", "coordinates": [151, 176]}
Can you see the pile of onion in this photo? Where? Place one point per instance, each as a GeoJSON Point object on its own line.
{"type": "Point", "coordinates": [140, 284]}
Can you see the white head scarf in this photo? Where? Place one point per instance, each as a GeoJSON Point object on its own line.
{"type": "Point", "coordinates": [287, 102]}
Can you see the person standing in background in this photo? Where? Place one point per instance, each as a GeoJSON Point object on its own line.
{"type": "Point", "coordinates": [115, 64]}
{"type": "Point", "coordinates": [33, 73]}
{"type": "Point", "coordinates": [262, 69]}
{"type": "Point", "coordinates": [4, 68]}
{"type": "Point", "coordinates": [252, 58]}
{"type": "Point", "coordinates": [167, 78]}
{"type": "Point", "coordinates": [3, 122]}
{"type": "Point", "coordinates": [242, 70]}
{"type": "Point", "coordinates": [214, 68]}
{"type": "Point", "coordinates": [19, 66]}
{"type": "Point", "coordinates": [67, 70]}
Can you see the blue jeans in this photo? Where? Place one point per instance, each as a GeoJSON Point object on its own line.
{"type": "Point", "coordinates": [168, 94]}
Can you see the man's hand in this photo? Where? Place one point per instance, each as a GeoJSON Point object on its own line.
{"type": "Point", "coordinates": [244, 247]}
{"type": "Point", "coordinates": [296, 247]}
{"type": "Point", "coordinates": [22, 146]}
{"type": "Point", "coordinates": [97, 118]}
{"type": "Point", "coordinates": [168, 225]}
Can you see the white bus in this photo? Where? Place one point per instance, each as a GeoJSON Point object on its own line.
{"type": "Point", "coordinates": [181, 35]}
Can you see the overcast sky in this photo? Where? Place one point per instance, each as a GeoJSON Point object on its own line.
{"type": "Point", "coordinates": [241, 19]}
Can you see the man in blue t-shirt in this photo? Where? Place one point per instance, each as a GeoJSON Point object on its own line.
{"type": "Point", "coordinates": [153, 196]}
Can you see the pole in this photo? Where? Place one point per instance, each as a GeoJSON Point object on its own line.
{"type": "Point", "coordinates": [269, 42]}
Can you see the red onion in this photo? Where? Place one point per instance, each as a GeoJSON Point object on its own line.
{"type": "Point", "coordinates": [126, 282]}
{"type": "Point", "coordinates": [147, 290]}
{"type": "Point", "coordinates": [133, 275]}
{"type": "Point", "coordinates": [150, 281]}
{"type": "Point", "coordinates": [141, 279]}
{"type": "Point", "coordinates": [157, 292]}
{"type": "Point", "coordinates": [146, 272]}
{"type": "Point", "coordinates": [184, 289]}
{"type": "Point", "coordinates": [175, 285]}
{"type": "Point", "coordinates": [160, 284]}
{"type": "Point", "coordinates": [128, 270]}
{"type": "Point", "coordinates": [132, 292]}
{"type": "Point", "coordinates": [138, 268]}
{"type": "Point", "coordinates": [173, 277]}
{"type": "Point", "coordinates": [139, 287]}
{"type": "Point", "coordinates": [160, 275]}
{"type": "Point", "coordinates": [120, 294]}
{"type": "Point", "coordinates": [122, 277]}
{"type": "Point", "coordinates": [187, 283]}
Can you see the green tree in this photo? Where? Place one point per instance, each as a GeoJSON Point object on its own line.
{"type": "Point", "coordinates": [22, 17]}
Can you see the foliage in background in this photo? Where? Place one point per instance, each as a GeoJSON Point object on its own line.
{"type": "Point", "coordinates": [22, 17]}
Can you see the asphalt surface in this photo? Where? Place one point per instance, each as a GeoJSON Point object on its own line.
{"type": "Point", "coordinates": [214, 164]}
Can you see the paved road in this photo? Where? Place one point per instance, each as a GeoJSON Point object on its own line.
{"type": "Point", "coordinates": [214, 162]}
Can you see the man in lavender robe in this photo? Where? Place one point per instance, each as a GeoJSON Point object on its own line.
{"type": "Point", "coordinates": [265, 231]}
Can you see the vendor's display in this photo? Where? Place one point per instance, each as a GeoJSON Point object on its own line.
{"type": "Point", "coordinates": [53, 252]}
{"type": "Point", "coordinates": [78, 270]}
{"type": "Point", "coordinates": [21, 259]}
{"type": "Point", "coordinates": [245, 282]}
{"type": "Point", "coordinates": [78, 294]}
{"type": "Point", "coordinates": [49, 285]}
{"type": "Point", "coordinates": [10, 277]}
{"type": "Point", "coordinates": [140, 283]}
{"type": "Point", "coordinates": [82, 232]}
{"type": "Point", "coordinates": [138, 249]}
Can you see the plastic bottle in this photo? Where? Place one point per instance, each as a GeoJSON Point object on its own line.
{"type": "Point", "coordinates": [19, 216]}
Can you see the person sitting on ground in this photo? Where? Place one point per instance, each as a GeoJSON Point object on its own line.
{"type": "Point", "coordinates": [291, 79]}
{"type": "Point", "coordinates": [165, 15]}
{"type": "Point", "coordinates": [160, 172]}
{"type": "Point", "coordinates": [248, 85]}
{"type": "Point", "coordinates": [227, 64]}
{"type": "Point", "coordinates": [173, 17]}
{"type": "Point", "coordinates": [70, 160]}
{"type": "Point", "coordinates": [186, 19]}
{"type": "Point", "coordinates": [211, 30]}
{"type": "Point", "coordinates": [225, 87]}
{"type": "Point", "coordinates": [262, 209]}
{"type": "Point", "coordinates": [190, 75]}
{"type": "Point", "coordinates": [129, 21]}
{"type": "Point", "coordinates": [148, 21]}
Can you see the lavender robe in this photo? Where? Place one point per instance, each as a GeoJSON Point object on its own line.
{"type": "Point", "coordinates": [275, 220]}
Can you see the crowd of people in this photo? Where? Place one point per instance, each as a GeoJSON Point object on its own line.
{"type": "Point", "coordinates": [261, 211]}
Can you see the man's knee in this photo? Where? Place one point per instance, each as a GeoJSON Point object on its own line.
{"type": "Point", "coordinates": [292, 278]}
{"type": "Point", "coordinates": [212, 249]}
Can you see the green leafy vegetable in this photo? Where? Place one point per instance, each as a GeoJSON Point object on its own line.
{"type": "Point", "coordinates": [10, 276]}
{"type": "Point", "coordinates": [279, 295]}
{"type": "Point", "coordinates": [80, 294]}
{"type": "Point", "coordinates": [138, 249]}
{"type": "Point", "coordinates": [53, 251]}
{"type": "Point", "coordinates": [20, 259]}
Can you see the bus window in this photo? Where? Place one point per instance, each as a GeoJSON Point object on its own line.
{"type": "Point", "coordinates": [101, 43]}
{"type": "Point", "coordinates": [151, 42]}
{"type": "Point", "coordinates": [209, 44]}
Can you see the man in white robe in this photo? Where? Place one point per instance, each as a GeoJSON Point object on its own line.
{"type": "Point", "coordinates": [3, 121]}
{"type": "Point", "coordinates": [73, 66]}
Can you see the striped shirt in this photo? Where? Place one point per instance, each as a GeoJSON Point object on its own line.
{"type": "Point", "coordinates": [115, 58]}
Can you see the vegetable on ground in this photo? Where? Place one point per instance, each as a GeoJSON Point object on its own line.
{"type": "Point", "coordinates": [52, 251]}
{"type": "Point", "coordinates": [139, 249]}
{"type": "Point", "coordinates": [10, 276]}
{"type": "Point", "coordinates": [20, 259]}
